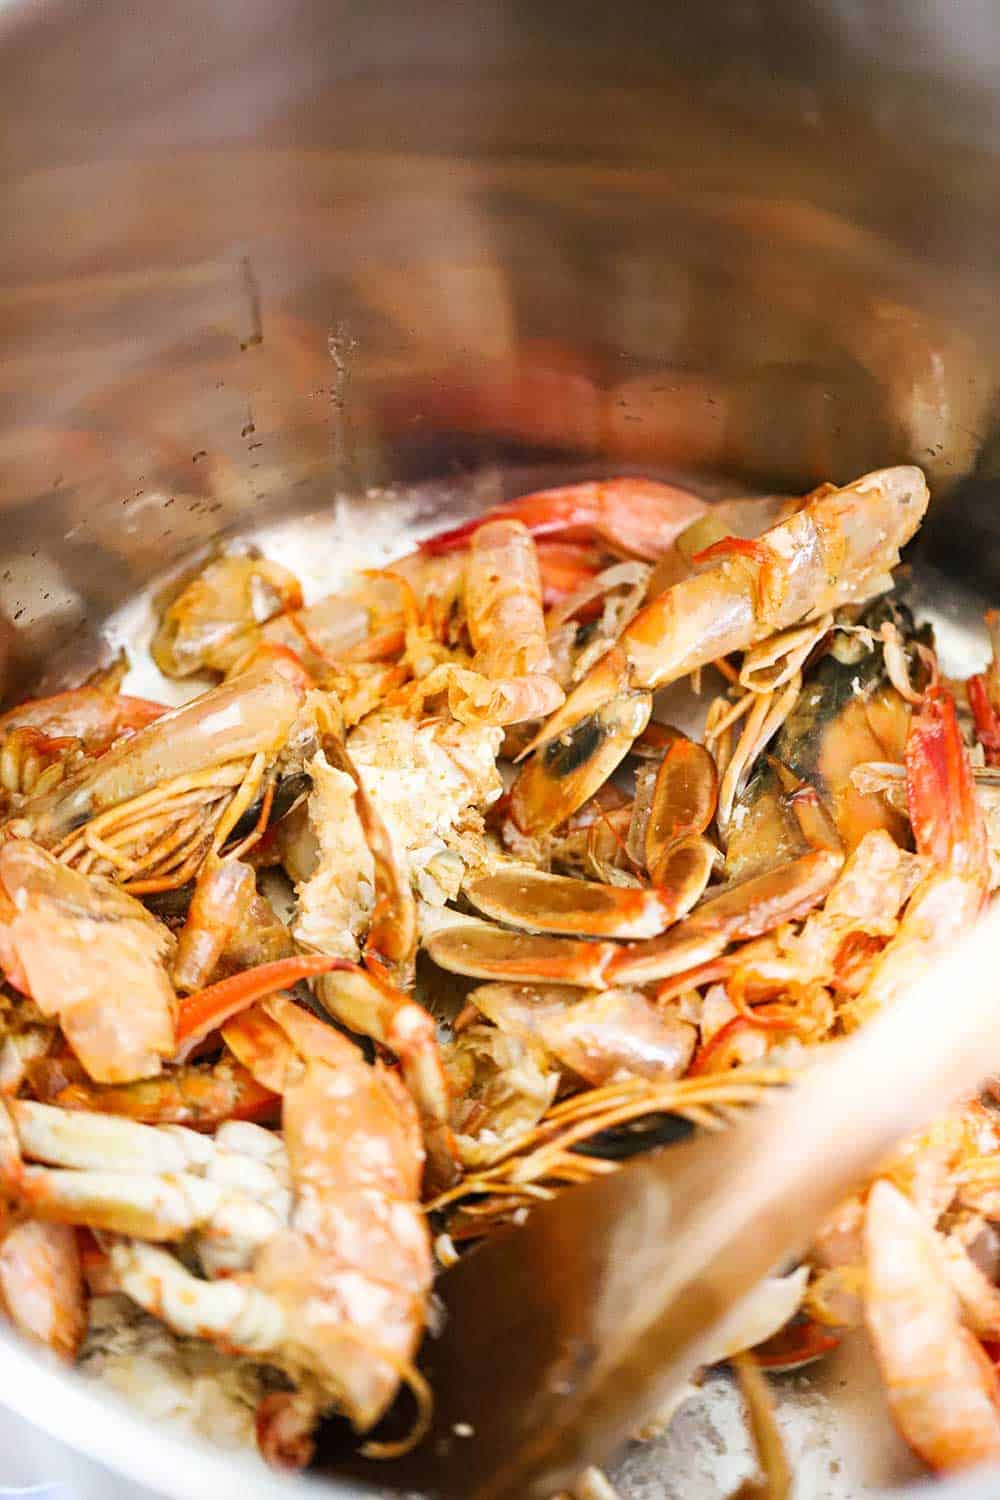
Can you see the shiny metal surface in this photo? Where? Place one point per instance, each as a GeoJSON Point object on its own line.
{"type": "Point", "coordinates": [258, 254]}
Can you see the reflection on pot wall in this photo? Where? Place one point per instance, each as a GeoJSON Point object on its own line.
{"type": "Point", "coordinates": [258, 253]}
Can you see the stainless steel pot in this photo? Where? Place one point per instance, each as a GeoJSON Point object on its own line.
{"type": "Point", "coordinates": [257, 254]}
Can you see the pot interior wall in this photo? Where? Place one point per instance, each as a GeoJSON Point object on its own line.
{"type": "Point", "coordinates": [255, 255]}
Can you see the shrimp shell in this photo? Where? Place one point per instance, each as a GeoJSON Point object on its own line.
{"type": "Point", "coordinates": [942, 1389]}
